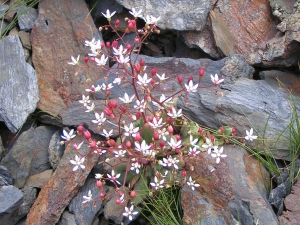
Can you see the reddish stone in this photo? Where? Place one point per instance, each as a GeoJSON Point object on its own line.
{"type": "Point", "coordinates": [59, 33]}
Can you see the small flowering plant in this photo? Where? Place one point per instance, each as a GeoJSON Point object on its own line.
{"type": "Point", "coordinates": [151, 136]}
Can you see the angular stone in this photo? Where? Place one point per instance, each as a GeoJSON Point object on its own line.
{"type": "Point", "coordinates": [2, 150]}
{"type": "Point", "coordinates": [61, 188]}
{"type": "Point", "coordinates": [25, 39]}
{"type": "Point", "coordinates": [234, 192]}
{"type": "Point", "coordinates": [5, 177]}
{"type": "Point", "coordinates": [26, 17]}
{"type": "Point", "coordinates": [55, 150]}
{"type": "Point", "coordinates": [59, 33]}
{"type": "Point", "coordinates": [179, 15]}
{"type": "Point", "coordinates": [85, 213]}
{"type": "Point", "coordinates": [278, 194]}
{"type": "Point", "coordinates": [38, 180]}
{"type": "Point", "coordinates": [29, 155]}
{"type": "Point", "coordinates": [10, 198]}
{"type": "Point", "coordinates": [67, 219]}
{"type": "Point", "coordinates": [17, 101]}
{"type": "Point", "coordinates": [3, 8]}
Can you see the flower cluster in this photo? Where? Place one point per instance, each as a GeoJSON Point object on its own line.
{"type": "Point", "coordinates": [143, 131]}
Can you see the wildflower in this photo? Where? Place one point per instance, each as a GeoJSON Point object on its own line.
{"type": "Point", "coordinates": [135, 166]}
{"type": "Point", "coordinates": [194, 142]}
{"type": "Point", "coordinates": [78, 163]}
{"type": "Point", "coordinates": [90, 108]}
{"type": "Point", "coordinates": [250, 135]}
{"type": "Point", "coordinates": [85, 100]}
{"type": "Point", "coordinates": [68, 136]}
{"type": "Point", "coordinates": [120, 51]}
{"type": "Point", "coordinates": [170, 162]}
{"type": "Point", "coordinates": [126, 98]}
{"type": "Point", "coordinates": [215, 79]}
{"type": "Point", "coordinates": [129, 212]}
{"type": "Point", "coordinates": [174, 144]}
{"type": "Point", "coordinates": [117, 81]}
{"type": "Point", "coordinates": [94, 89]}
{"type": "Point", "coordinates": [107, 87]}
{"type": "Point", "coordinates": [140, 105]}
{"type": "Point", "coordinates": [107, 134]}
{"type": "Point", "coordinates": [123, 60]}
{"type": "Point", "coordinates": [78, 146]}
{"type": "Point", "coordinates": [218, 154]}
{"type": "Point", "coordinates": [90, 43]}
{"type": "Point", "coordinates": [151, 20]}
{"type": "Point", "coordinates": [136, 14]}
{"type": "Point", "coordinates": [157, 184]}
{"type": "Point", "coordinates": [113, 177]}
{"type": "Point", "coordinates": [156, 124]}
{"type": "Point", "coordinates": [191, 87]}
{"type": "Point", "coordinates": [209, 145]}
{"type": "Point", "coordinates": [162, 77]}
{"type": "Point", "coordinates": [98, 176]}
{"type": "Point", "coordinates": [192, 184]}
{"type": "Point", "coordinates": [120, 153]}
{"type": "Point", "coordinates": [141, 147]}
{"type": "Point", "coordinates": [193, 151]}
{"type": "Point", "coordinates": [162, 100]}
{"type": "Point", "coordinates": [175, 114]}
{"type": "Point", "coordinates": [131, 130]}
{"type": "Point", "coordinates": [108, 15]}
{"type": "Point", "coordinates": [88, 198]}
{"type": "Point", "coordinates": [74, 61]}
{"type": "Point", "coordinates": [163, 133]}
{"type": "Point", "coordinates": [100, 151]}
{"type": "Point", "coordinates": [100, 119]}
{"type": "Point", "coordinates": [102, 61]}
{"type": "Point", "coordinates": [143, 81]}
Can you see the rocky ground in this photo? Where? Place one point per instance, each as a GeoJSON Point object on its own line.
{"type": "Point", "coordinates": [249, 44]}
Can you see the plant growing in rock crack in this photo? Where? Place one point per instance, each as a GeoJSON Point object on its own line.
{"type": "Point", "coordinates": [151, 135]}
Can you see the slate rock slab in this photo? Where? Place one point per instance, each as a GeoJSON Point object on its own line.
{"type": "Point", "coordinates": [5, 177]}
{"type": "Point", "coordinates": [26, 17]}
{"type": "Point", "coordinates": [19, 93]}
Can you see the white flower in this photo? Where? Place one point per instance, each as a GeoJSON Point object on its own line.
{"type": "Point", "coordinates": [129, 212]}
{"type": "Point", "coordinates": [74, 61]}
{"type": "Point", "coordinates": [90, 108]}
{"type": "Point", "coordinates": [215, 79]}
{"type": "Point", "coordinates": [107, 134]}
{"type": "Point", "coordinates": [193, 151]}
{"type": "Point", "coordinates": [194, 141]}
{"type": "Point", "coordinates": [143, 81]}
{"type": "Point", "coordinates": [151, 19]}
{"type": "Point", "coordinates": [157, 184]}
{"type": "Point", "coordinates": [113, 177]}
{"type": "Point", "coordinates": [136, 14]}
{"type": "Point", "coordinates": [141, 147]}
{"type": "Point", "coordinates": [78, 146]}
{"type": "Point", "coordinates": [170, 162]}
{"type": "Point", "coordinates": [175, 114]}
{"type": "Point", "coordinates": [78, 162]}
{"type": "Point", "coordinates": [90, 43]}
{"type": "Point", "coordinates": [126, 98]}
{"type": "Point", "coordinates": [250, 135]}
{"type": "Point", "coordinates": [174, 144]}
{"type": "Point", "coordinates": [191, 87]}
{"type": "Point", "coordinates": [107, 87]}
{"type": "Point", "coordinates": [100, 119]}
{"type": "Point", "coordinates": [108, 15]}
{"type": "Point", "coordinates": [163, 133]}
{"type": "Point", "coordinates": [119, 51]}
{"type": "Point", "coordinates": [130, 130]}
{"type": "Point", "coordinates": [156, 124]}
{"type": "Point", "coordinates": [209, 145]}
{"type": "Point", "coordinates": [94, 89]}
{"type": "Point", "coordinates": [135, 166]}
{"type": "Point", "coordinates": [123, 60]}
{"type": "Point", "coordinates": [117, 81]}
{"type": "Point", "coordinates": [140, 105]}
{"type": "Point", "coordinates": [100, 151]}
{"type": "Point", "coordinates": [88, 198]}
{"type": "Point", "coordinates": [85, 100]}
{"type": "Point", "coordinates": [102, 61]}
{"type": "Point", "coordinates": [162, 100]}
{"type": "Point", "coordinates": [120, 153]}
{"type": "Point", "coordinates": [162, 77]}
{"type": "Point", "coordinates": [98, 176]}
{"type": "Point", "coordinates": [192, 184]}
{"type": "Point", "coordinates": [218, 154]}
{"type": "Point", "coordinates": [68, 136]}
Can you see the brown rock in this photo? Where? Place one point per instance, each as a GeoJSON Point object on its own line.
{"type": "Point", "coordinates": [59, 33]}
{"type": "Point", "coordinates": [61, 188]}
{"type": "Point", "coordinates": [39, 180]}
{"type": "Point", "coordinates": [25, 39]}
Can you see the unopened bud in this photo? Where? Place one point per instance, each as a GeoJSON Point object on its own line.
{"type": "Point", "coordinates": [112, 104]}
{"type": "Point", "coordinates": [86, 59]}
{"type": "Point", "coordinates": [132, 194]}
{"type": "Point", "coordinates": [190, 78]}
{"type": "Point", "coordinates": [162, 144]}
{"type": "Point", "coordinates": [87, 135]}
{"type": "Point", "coordinates": [93, 144]}
{"type": "Point", "coordinates": [179, 79]}
{"type": "Point", "coordinates": [200, 130]}
{"type": "Point", "coordinates": [99, 183]}
{"type": "Point", "coordinates": [142, 62]}
{"type": "Point", "coordinates": [101, 196]}
{"type": "Point", "coordinates": [153, 71]}
{"type": "Point", "coordinates": [137, 137]}
{"type": "Point", "coordinates": [178, 138]}
{"type": "Point", "coordinates": [201, 72]}
{"type": "Point", "coordinates": [117, 23]}
{"type": "Point", "coordinates": [156, 136]}
{"type": "Point", "coordinates": [128, 145]}
{"type": "Point", "coordinates": [114, 44]}
{"type": "Point", "coordinates": [80, 129]}
{"type": "Point", "coordinates": [184, 173]}
{"type": "Point", "coordinates": [170, 129]}
{"type": "Point", "coordinates": [107, 45]}
{"type": "Point", "coordinates": [233, 130]}
{"type": "Point", "coordinates": [128, 47]}
{"type": "Point", "coordinates": [136, 40]}
{"type": "Point", "coordinates": [107, 112]}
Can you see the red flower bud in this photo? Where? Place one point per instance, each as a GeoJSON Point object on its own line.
{"type": "Point", "coordinates": [118, 201]}
{"type": "Point", "coordinates": [178, 138]}
{"type": "Point", "coordinates": [128, 145]}
{"type": "Point", "coordinates": [200, 130]}
{"type": "Point", "coordinates": [86, 59]}
{"type": "Point", "coordinates": [117, 23]}
{"type": "Point", "coordinates": [190, 78]}
{"type": "Point", "coordinates": [99, 183]}
{"type": "Point", "coordinates": [150, 119]}
{"type": "Point", "coordinates": [170, 129]}
{"type": "Point", "coordinates": [107, 112]}
{"type": "Point", "coordinates": [130, 25]}
{"type": "Point", "coordinates": [123, 108]}
{"type": "Point", "coordinates": [169, 119]}
{"type": "Point", "coordinates": [142, 62]}
{"type": "Point", "coordinates": [153, 71]}
{"type": "Point", "coordinates": [179, 79]}
{"type": "Point", "coordinates": [112, 104]}
{"type": "Point", "coordinates": [221, 130]}
{"type": "Point", "coordinates": [156, 136]}
{"type": "Point", "coordinates": [137, 137]}
{"type": "Point", "coordinates": [111, 143]}
{"type": "Point", "coordinates": [128, 47]}
{"type": "Point", "coordinates": [184, 173]}
{"type": "Point", "coordinates": [101, 196]}
{"type": "Point", "coordinates": [114, 44]}
{"type": "Point", "coordinates": [201, 72]}
{"type": "Point", "coordinates": [93, 144]}
{"type": "Point", "coordinates": [92, 59]}
{"type": "Point", "coordinates": [102, 45]}
{"type": "Point", "coordinates": [80, 129]}
{"type": "Point", "coordinates": [133, 23]}
{"type": "Point", "coordinates": [87, 135]}
{"type": "Point", "coordinates": [152, 82]}
{"type": "Point", "coordinates": [107, 45]}
{"type": "Point", "coordinates": [162, 144]}
{"type": "Point", "coordinates": [132, 194]}
{"type": "Point", "coordinates": [233, 130]}
{"type": "Point", "coordinates": [137, 68]}
{"type": "Point", "coordinates": [212, 138]}
{"type": "Point", "coordinates": [138, 115]}
{"type": "Point", "coordinates": [136, 40]}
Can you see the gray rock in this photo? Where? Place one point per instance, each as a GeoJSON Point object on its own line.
{"type": "Point", "coordinates": [278, 194]}
{"type": "Point", "coordinates": [25, 39]}
{"type": "Point", "coordinates": [3, 8]}
{"type": "Point", "coordinates": [102, 6]}
{"type": "Point", "coordinates": [85, 213]}
{"type": "Point", "coordinates": [179, 15]}
{"type": "Point", "coordinates": [5, 177]}
{"type": "Point", "coordinates": [29, 194]}
{"type": "Point", "coordinates": [67, 219]}
{"type": "Point", "coordinates": [3, 27]}
{"type": "Point", "coordinates": [16, 101]}
{"type": "Point", "coordinates": [26, 17]}
{"type": "Point", "coordinates": [1, 149]}
{"type": "Point", "coordinates": [11, 198]}
{"type": "Point", "coordinates": [55, 150]}
{"type": "Point", "coordinates": [29, 155]}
